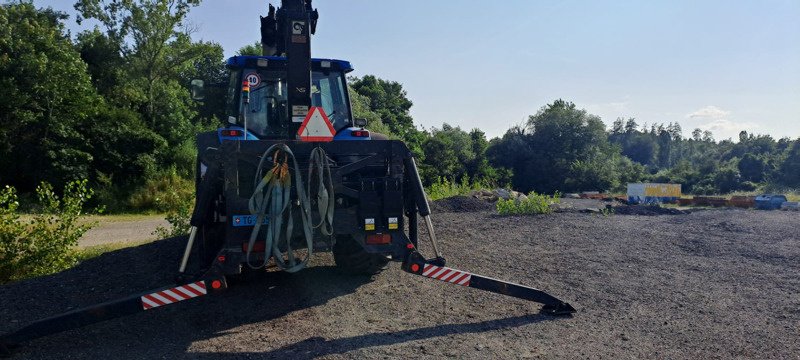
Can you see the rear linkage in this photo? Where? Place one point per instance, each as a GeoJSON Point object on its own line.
{"type": "Point", "coordinates": [435, 268]}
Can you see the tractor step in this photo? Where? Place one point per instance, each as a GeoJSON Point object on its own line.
{"type": "Point", "coordinates": [416, 264]}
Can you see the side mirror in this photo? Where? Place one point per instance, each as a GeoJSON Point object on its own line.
{"type": "Point", "coordinates": [360, 122]}
{"type": "Point", "coordinates": [198, 90]}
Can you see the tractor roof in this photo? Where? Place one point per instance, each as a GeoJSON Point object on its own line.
{"type": "Point", "coordinates": [280, 61]}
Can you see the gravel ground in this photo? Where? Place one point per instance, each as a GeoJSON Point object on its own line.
{"type": "Point", "coordinates": [709, 284]}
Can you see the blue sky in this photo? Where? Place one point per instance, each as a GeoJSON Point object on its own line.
{"type": "Point", "coordinates": [725, 66]}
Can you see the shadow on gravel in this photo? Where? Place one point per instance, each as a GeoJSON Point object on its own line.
{"type": "Point", "coordinates": [314, 347]}
{"type": "Point", "coordinates": [257, 298]}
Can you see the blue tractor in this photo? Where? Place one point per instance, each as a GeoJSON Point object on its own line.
{"type": "Point", "coordinates": [289, 174]}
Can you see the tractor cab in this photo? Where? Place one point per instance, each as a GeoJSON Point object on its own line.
{"type": "Point", "coordinates": [257, 99]}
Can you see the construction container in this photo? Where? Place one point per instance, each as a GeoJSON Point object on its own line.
{"type": "Point", "coordinates": [742, 201]}
{"type": "Point", "coordinates": [770, 201]}
{"type": "Point", "coordinates": [685, 202]}
{"type": "Point", "coordinates": [652, 193]}
{"type": "Point", "coordinates": [714, 201]}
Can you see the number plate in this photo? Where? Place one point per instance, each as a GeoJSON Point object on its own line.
{"type": "Point", "coordinates": [247, 220]}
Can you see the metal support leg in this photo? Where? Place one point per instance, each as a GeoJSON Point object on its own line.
{"type": "Point", "coordinates": [113, 309]}
{"type": "Point", "coordinates": [432, 236]}
{"type": "Point", "coordinates": [188, 251]}
{"type": "Point", "coordinates": [416, 264]}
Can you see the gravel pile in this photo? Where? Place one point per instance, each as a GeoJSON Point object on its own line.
{"type": "Point", "coordinates": [710, 284]}
{"type": "Point", "coordinates": [647, 210]}
{"type": "Point", "coordinates": [459, 204]}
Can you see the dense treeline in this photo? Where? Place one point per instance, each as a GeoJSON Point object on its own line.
{"type": "Point", "coordinates": [563, 148]}
{"type": "Point", "coordinates": [112, 105]}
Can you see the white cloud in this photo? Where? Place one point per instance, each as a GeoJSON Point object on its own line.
{"type": "Point", "coordinates": [716, 120]}
{"type": "Point", "coordinates": [724, 129]}
{"type": "Point", "coordinates": [709, 112]}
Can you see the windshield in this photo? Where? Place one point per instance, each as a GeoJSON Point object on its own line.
{"type": "Point", "coordinates": [267, 113]}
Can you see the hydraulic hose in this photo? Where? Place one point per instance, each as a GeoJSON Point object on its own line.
{"type": "Point", "coordinates": [272, 200]}
{"type": "Point", "coordinates": [319, 164]}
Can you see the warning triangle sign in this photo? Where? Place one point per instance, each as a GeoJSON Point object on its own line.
{"type": "Point", "coordinates": [316, 126]}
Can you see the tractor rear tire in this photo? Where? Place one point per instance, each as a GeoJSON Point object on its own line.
{"type": "Point", "coordinates": [351, 258]}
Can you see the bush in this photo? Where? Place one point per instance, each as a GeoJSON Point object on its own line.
{"type": "Point", "coordinates": [445, 188]}
{"type": "Point", "coordinates": [43, 244]}
{"type": "Point", "coordinates": [534, 204]}
{"type": "Point", "coordinates": [178, 219]}
{"type": "Point", "coordinates": [167, 192]}
{"type": "Point", "coordinates": [164, 192]}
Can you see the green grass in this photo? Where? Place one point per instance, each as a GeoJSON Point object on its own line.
{"type": "Point", "coordinates": [124, 217]}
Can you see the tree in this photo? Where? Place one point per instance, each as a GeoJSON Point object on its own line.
{"type": "Point", "coordinates": [390, 103]}
{"type": "Point", "coordinates": [45, 97]}
{"type": "Point", "coordinates": [697, 135]}
{"type": "Point", "coordinates": [631, 125]}
{"type": "Point", "coordinates": [158, 59]}
{"type": "Point", "coordinates": [153, 41]}
{"type": "Point", "coordinates": [253, 49]}
{"type": "Point", "coordinates": [752, 167]}
{"type": "Point", "coordinates": [560, 148]}
{"type": "Point", "coordinates": [790, 168]}
{"type": "Point", "coordinates": [388, 100]}
{"type": "Point", "coordinates": [640, 148]}
{"type": "Point", "coordinates": [104, 61]}
{"type": "Point", "coordinates": [618, 127]}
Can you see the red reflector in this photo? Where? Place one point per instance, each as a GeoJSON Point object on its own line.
{"type": "Point", "coordinates": [379, 239]}
{"type": "Point", "coordinates": [409, 246]}
{"type": "Point", "coordinates": [216, 284]}
{"type": "Point", "coordinates": [258, 246]}
{"type": "Point", "coordinates": [233, 133]}
{"type": "Point", "coordinates": [414, 267]}
{"type": "Point", "coordinates": [221, 258]}
{"type": "Point", "coordinates": [360, 133]}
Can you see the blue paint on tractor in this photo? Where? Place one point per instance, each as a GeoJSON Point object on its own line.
{"type": "Point", "coordinates": [347, 135]}
{"type": "Point", "coordinates": [222, 137]}
{"type": "Point", "coordinates": [249, 60]}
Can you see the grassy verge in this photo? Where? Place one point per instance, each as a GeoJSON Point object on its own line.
{"type": "Point", "coordinates": [90, 252]}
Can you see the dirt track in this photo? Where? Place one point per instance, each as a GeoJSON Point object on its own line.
{"type": "Point", "coordinates": [711, 284]}
{"type": "Point", "coordinates": [128, 230]}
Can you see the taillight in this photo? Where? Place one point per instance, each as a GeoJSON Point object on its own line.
{"type": "Point", "coordinates": [232, 133]}
{"type": "Point", "coordinates": [216, 284]}
{"type": "Point", "coordinates": [379, 239]}
{"type": "Point", "coordinates": [258, 247]}
{"type": "Point", "coordinates": [359, 133]}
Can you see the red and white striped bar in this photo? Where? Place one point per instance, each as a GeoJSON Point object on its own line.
{"type": "Point", "coordinates": [173, 295]}
{"type": "Point", "coordinates": [447, 274]}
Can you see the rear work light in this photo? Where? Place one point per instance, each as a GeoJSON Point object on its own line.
{"type": "Point", "coordinates": [379, 239]}
{"type": "Point", "coordinates": [232, 133]}
{"type": "Point", "coordinates": [359, 133]}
